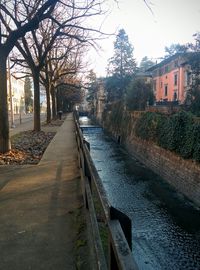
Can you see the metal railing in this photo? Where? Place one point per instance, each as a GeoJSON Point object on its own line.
{"type": "Point", "coordinates": [111, 229]}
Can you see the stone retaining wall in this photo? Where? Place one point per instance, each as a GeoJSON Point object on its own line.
{"type": "Point", "coordinates": [184, 175]}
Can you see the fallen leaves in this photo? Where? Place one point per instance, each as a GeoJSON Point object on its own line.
{"type": "Point", "coordinates": [27, 148]}
{"type": "Point", "coordinates": [13, 156]}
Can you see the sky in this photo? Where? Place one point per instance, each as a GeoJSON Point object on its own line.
{"type": "Point", "coordinates": [171, 21]}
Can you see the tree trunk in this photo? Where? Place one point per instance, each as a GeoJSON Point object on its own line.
{"type": "Point", "coordinates": [36, 82]}
{"type": "Point", "coordinates": [48, 104]}
{"type": "Point", "coordinates": [59, 100]}
{"type": "Point", "coordinates": [53, 99]}
{"type": "Point", "coordinates": [4, 123]}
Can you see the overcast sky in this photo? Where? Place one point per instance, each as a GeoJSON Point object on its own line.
{"type": "Point", "coordinates": [172, 21]}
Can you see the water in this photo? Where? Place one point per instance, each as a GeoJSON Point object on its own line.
{"type": "Point", "coordinates": [165, 225]}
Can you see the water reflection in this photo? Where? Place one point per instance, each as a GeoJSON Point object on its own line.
{"type": "Point", "coordinates": [166, 228]}
{"type": "Point", "coordinates": [84, 120]}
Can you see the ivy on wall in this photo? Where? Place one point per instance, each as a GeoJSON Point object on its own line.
{"type": "Point", "coordinates": [115, 118]}
{"type": "Point", "coordinates": [178, 132]}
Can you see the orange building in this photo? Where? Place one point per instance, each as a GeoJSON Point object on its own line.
{"type": "Point", "coordinates": [171, 78]}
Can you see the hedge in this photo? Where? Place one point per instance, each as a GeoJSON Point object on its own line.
{"type": "Point", "coordinates": [179, 132]}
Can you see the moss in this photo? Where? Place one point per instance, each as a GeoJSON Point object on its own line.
{"type": "Point", "coordinates": [80, 243]}
{"type": "Point", "coordinates": [81, 240]}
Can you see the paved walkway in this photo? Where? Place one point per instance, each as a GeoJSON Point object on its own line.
{"type": "Point", "coordinates": [27, 124]}
{"type": "Point", "coordinates": [42, 224]}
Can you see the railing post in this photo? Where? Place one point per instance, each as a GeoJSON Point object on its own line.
{"type": "Point", "coordinates": [87, 144]}
{"type": "Point", "coordinates": [86, 168]}
{"type": "Point", "coordinates": [112, 259]}
{"type": "Point", "coordinates": [125, 223]}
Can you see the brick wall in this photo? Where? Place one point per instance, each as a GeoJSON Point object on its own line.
{"type": "Point", "coordinates": [184, 175]}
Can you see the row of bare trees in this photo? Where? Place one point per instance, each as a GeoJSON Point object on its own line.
{"type": "Point", "coordinates": [48, 38]}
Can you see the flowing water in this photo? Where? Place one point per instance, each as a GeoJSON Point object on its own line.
{"type": "Point", "coordinates": [165, 225]}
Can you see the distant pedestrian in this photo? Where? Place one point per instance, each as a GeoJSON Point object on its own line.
{"type": "Point", "coordinates": [60, 114]}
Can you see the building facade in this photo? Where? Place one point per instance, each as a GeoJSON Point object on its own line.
{"type": "Point", "coordinates": [100, 101]}
{"type": "Point", "coordinates": [17, 93]}
{"type": "Point", "coordinates": [171, 78]}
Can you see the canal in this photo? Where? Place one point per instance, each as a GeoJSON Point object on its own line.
{"type": "Point", "coordinates": [165, 225]}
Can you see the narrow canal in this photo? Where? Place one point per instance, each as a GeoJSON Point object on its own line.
{"type": "Point", "coordinates": [165, 226]}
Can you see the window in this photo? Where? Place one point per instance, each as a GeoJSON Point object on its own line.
{"type": "Point", "coordinates": [166, 69]}
{"type": "Point", "coordinates": [175, 79]}
{"type": "Point", "coordinates": [187, 78]}
{"type": "Point", "coordinates": [154, 85]}
{"type": "Point", "coordinates": [176, 64]}
{"type": "Point", "coordinates": [161, 71]}
{"type": "Point", "coordinates": [166, 90]}
{"type": "Point", "coordinates": [175, 95]}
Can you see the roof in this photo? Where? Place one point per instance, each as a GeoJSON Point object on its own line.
{"type": "Point", "coordinates": [143, 74]}
{"type": "Point", "coordinates": [168, 60]}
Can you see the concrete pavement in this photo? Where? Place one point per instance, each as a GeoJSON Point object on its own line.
{"type": "Point", "coordinates": [42, 219]}
{"type": "Point", "coordinates": [27, 124]}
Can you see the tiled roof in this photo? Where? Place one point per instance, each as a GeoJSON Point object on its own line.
{"type": "Point", "coordinates": [168, 60]}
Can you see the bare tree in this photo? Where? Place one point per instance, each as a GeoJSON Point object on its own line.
{"type": "Point", "coordinates": [63, 64]}
{"type": "Point", "coordinates": [68, 21]}
{"type": "Point", "coordinates": [17, 17]}
{"type": "Point", "coordinates": [69, 94]}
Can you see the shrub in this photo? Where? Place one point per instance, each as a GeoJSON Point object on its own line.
{"type": "Point", "coordinates": [139, 93]}
{"type": "Point", "coordinates": [181, 128]}
{"type": "Point", "coordinates": [196, 140]}
{"type": "Point", "coordinates": [178, 133]}
{"type": "Point", "coordinates": [165, 136]}
{"type": "Point", "coordinates": [117, 114]}
{"type": "Point", "coordinates": [147, 127]}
